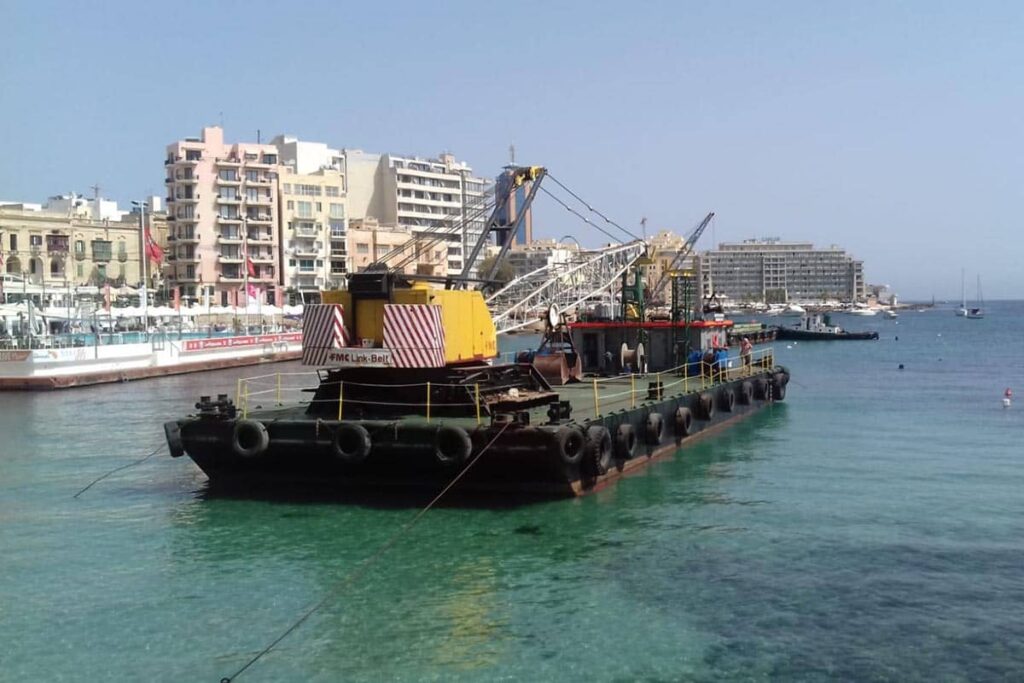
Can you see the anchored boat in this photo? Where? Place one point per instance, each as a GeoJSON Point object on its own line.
{"type": "Point", "coordinates": [819, 327]}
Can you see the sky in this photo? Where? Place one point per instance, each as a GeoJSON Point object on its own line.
{"type": "Point", "coordinates": [892, 129]}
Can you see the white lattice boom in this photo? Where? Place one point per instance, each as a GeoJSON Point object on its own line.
{"type": "Point", "coordinates": [566, 285]}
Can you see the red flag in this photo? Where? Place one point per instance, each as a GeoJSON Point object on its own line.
{"type": "Point", "coordinates": [153, 249]}
{"type": "Point", "coordinates": [253, 292]}
{"type": "Point", "coordinates": [106, 296]}
{"type": "Point", "coordinates": [177, 298]}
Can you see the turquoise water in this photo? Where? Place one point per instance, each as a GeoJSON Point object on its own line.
{"type": "Point", "coordinates": [869, 528]}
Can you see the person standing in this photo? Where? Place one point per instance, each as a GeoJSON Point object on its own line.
{"type": "Point", "coordinates": [746, 351]}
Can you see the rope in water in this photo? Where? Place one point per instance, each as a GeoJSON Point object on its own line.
{"type": "Point", "coordinates": [118, 469]}
{"type": "Point", "coordinates": [356, 573]}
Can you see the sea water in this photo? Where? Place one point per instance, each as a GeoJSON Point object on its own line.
{"type": "Point", "coordinates": [869, 527]}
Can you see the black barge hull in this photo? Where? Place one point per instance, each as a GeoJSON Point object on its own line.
{"type": "Point", "coordinates": [522, 453]}
{"type": "Point", "coordinates": [788, 333]}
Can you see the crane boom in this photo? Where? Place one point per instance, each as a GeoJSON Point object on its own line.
{"type": "Point", "coordinates": [681, 255]}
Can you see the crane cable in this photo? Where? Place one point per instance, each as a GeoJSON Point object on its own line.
{"type": "Point", "coordinates": [580, 215]}
{"type": "Point", "coordinates": [587, 204]}
{"type": "Point", "coordinates": [356, 573]}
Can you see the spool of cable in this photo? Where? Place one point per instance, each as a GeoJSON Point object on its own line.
{"type": "Point", "coordinates": [636, 359]}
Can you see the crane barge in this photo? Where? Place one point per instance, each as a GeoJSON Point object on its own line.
{"type": "Point", "coordinates": [411, 393]}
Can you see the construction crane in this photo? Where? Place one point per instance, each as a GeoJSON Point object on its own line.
{"type": "Point", "coordinates": [685, 250]}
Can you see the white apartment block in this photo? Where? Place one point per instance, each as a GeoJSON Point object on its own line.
{"type": "Point", "coordinates": [434, 198]}
{"type": "Point", "coordinates": [526, 258]}
{"type": "Point", "coordinates": [774, 271]}
{"type": "Point", "coordinates": [313, 231]}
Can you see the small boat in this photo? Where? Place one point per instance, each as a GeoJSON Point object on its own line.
{"type": "Point", "coordinates": [962, 311]}
{"type": "Point", "coordinates": [978, 311]}
{"type": "Point", "coordinates": [863, 311]}
{"type": "Point", "coordinates": [891, 314]}
{"type": "Point", "coordinates": [820, 327]}
{"type": "Point", "coordinates": [793, 310]}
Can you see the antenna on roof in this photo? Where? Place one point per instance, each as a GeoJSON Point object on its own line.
{"type": "Point", "coordinates": [512, 155]}
{"type": "Point", "coordinates": [95, 190]}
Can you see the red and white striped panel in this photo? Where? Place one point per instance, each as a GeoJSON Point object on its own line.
{"type": "Point", "coordinates": [323, 329]}
{"type": "Point", "coordinates": [414, 334]}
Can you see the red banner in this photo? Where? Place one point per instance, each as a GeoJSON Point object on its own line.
{"type": "Point", "coordinates": [236, 342]}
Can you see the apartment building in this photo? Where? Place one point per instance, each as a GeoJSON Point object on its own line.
{"type": "Point", "coordinates": [438, 197]}
{"type": "Point", "coordinates": [222, 200]}
{"type": "Point", "coordinates": [370, 242]}
{"type": "Point", "coordinates": [664, 248]}
{"type": "Point", "coordinates": [313, 231]}
{"type": "Point", "coordinates": [526, 258]}
{"type": "Point", "coordinates": [774, 271]}
{"type": "Point", "coordinates": [57, 249]}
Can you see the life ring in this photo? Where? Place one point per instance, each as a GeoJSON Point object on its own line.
{"type": "Point", "coordinates": [625, 442]}
{"type": "Point", "coordinates": [684, 421]}
{"type": "Point", "coordinates": [746, 395]}
{"type": "Point", "coordinates": [569, 444]}
{"type": "Point", "coordinates": [706, 405]}
{"type": "Point", "coordinates": [351, 443]}
{"type": "Point", "coordinates": [452, 445]}
{"type": "Point", "coordinates": [727, 399]}
{"type": "Point", "coordinates": [599, 448]}
{"type": "Point", "coordinates": [654, 429]}
{"type": "Point", "coordinates": [760, 388]}
{"type": "Point", "coordinates": [249, 438]}
{"type": "Point", "coordinates": [172, 431]}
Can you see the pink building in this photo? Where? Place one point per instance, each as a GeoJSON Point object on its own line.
{"type": "Point", "coordinates": [221, 205]}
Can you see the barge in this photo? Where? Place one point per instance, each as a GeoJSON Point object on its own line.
{"type": "Point", "coordinates": [407, 396]}
{"type": "Point", "coordinates": [819, 327]}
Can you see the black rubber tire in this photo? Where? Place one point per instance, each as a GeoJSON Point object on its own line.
{"type": "Point", "coordinates": [706, 406]}
{"type": "Point", "coordinates": [727, 399]}
{"type": "Point", "coordinates": [654, 430]}
{"type": "Point", "coordinates": [172, 430]}
{"type": "Point", "coordinates": [778, 391]}
{"type": "Point", "coordinates": [760, 388]}
{"type": "Point", "coordinates": [452, 445]}
{"type": "Point", "coordinates": [746, 394]}
{"type": "Point", "coordinates": [625, 442]}
{"type": "Point", "coordinates": [599, 449]}
{"type": "Point", "coordinates": [351, 443]}
{"type": "Point", "coordinates": [781, 378]}
{"type": "Point", "coordinates": [569, 444]}
{"type": "Point", "coordinates": [249, 438]}
{"type": "Point", "coordinates": [684, 421]}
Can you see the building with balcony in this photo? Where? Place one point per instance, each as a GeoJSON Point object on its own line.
{"type": "Point", "coordinates": [774, 271]}
{"type": "Point", "coordinates": [54, 249]}
{"type": "Point", "coordinates": [313, 230]}
{"type": "Point", "coordinates": [436, 199]}
{"type": "Point", "coordinates": [526, 258]}
{"type": "Point", "coordinates": [370, 242]}
{"type": "Point", "coordinates": [222, 199]}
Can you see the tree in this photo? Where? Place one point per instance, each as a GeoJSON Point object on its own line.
{"type": "Point", "coordinates": [504, 273]}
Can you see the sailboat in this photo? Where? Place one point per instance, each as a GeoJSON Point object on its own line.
{"type": "Point", "coordinates": [978, 311]}
{"type": "Point", "coordinates": [962, 311]}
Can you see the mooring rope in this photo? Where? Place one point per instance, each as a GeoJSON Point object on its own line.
{"type": "Point", "coordinates": [356, 573]}
{"type": "Point", "coordinates": [118, 469]}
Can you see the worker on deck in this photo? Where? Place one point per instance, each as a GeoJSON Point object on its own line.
{"type": "Point", "coordinates": [746, 351]}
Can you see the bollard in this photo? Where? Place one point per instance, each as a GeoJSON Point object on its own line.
{"type": "Point", "coordinates": [597, 402]}
{"type": "Point", "coordinates": [341, 395]}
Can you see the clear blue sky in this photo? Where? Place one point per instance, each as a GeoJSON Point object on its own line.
{"type": "Point", "coordinates": [895, 130]}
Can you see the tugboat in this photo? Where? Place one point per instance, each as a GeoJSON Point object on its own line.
{"type": "Point", "coordinates": [410, 396]}
{"type": "Point", "coordinates": [819, 327]}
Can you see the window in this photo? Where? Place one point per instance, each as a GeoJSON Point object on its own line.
{"type": "Point", "coordinates": [337, 210]}
{"type": "Point", "coordinates": [287, 188]}
{"type": "Point", "coordinates": [101, 250]}
{"type": "Point", "coordinates": [252, 194]}
{"type": "Point", "coordinates": [122, 251]}
{"type": "Point", "coordinates": [362, 248]}
{"type": "Point", "coordinates": [229, 193]}
{"type": "Point", "coordinates": [193, 154]}
{"type": "Point", "coordinates": [332, 191]}
{"type": "Point", "coordinates": [306, 265]}
{"type": "Point", "coordinates": [252, 176]}
{"type": "Point", "coordinates": [291, 262]}
{"type": "Point", "coordinates": [319, 207]}
{"type": "Point", "coordinates": [14, 242]}
{"type": "Point", "coordinates": [337, 228]}
{"type": "Point", "coordinates": [308, 190]}
{"type": "Point", "coordinates": [35, 240]}
{"type": "Point", "coordinates": [291, 205]}
{"type": "Point", "coordinates": [305, 209]}
{"type": "Point", "coordinates": [79, 247]}
{"type": "Point", "coordinates": [270, 158]}
{"type": "Point", "coordinates": [228, 174]}
{"type": "Point", "coordinates": [79, 271]}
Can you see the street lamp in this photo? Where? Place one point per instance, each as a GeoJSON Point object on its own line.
{"type": "Point", "coordinates": [144, 299]}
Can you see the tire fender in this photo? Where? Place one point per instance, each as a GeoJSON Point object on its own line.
{"type": "Point", "coordinates": [249, 438]}
{"type": "Point", "coordinates": [625, 442]}
{"type": "Point", "coordinates": [706, 403]}
{"type": "Point", "coordinates": [351, 443]}
{"type": "Point", "coordinates": [727, 399]}
{"type": "Point", "coordinates": [654, 429]}
{"type": "Point", "coordinates": [172, 430]}
{"type": "Point", "coordinates": [599, 448]}
{"type": "Point", "coordinates": [684, 421]}
{"type": "Point", "coordinates": [746, 393]}
{"type": "Point", "coordinates": [569, 444]}
{"type": "Point", "coordinates": [452, 445]}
